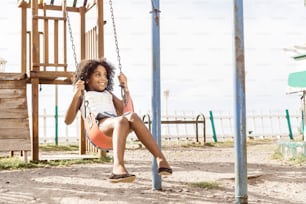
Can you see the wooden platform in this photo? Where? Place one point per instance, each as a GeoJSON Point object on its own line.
{"type": "Point", "coordinates": [14, 119]}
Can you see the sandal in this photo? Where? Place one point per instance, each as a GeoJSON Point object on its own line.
{"type": "Point", "coordinates": [122, 178]}
{"type": "Point", "coordinates": [163, 171]}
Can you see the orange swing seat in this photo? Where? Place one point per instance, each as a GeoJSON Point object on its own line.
{"type": "Point", "coordinates": [95, 135]}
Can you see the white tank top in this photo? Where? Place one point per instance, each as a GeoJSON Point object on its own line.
{"type": "Point", "coordinates": [99, 102]}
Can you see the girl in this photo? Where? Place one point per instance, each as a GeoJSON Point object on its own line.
{"type": "Point", "coordinates": [94, 81]}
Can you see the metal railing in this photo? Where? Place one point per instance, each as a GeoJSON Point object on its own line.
{"type": "Point", "coordinates": [181, 120]}
{"type": "Point", "coordinates": [189, 126]}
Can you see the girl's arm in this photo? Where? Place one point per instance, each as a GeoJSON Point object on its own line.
{"type": "Point", "coordinates": [119, 104]}
{"type": "Point", "coordinates": [75, 103]}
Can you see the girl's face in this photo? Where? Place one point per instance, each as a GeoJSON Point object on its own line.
{"type": "Point", "coordinates": [98, 80]}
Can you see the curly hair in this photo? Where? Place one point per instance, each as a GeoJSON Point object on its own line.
{"type": "Point", "coordinates": [87, 67]}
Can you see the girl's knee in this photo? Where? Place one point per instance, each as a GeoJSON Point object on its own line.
{"type": "Point", "coordinates": [134, 117]}
{"type": "Point", "coordinates": [121, 121]}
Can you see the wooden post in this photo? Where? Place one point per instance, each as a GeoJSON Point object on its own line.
{"type": "Point", "coordinates": [35, 81]}
{"type": "Point", "coordinates": [55, 42]}
{"type": "Point", "coordinates": [46, 39]}
{"type": "Point", "coordinates": [65, 34]}
{"type": "Point", "coordinates": [23, 37]}
{"type": "Point", "coordinates": [100, 27]}
{"type": "Point", "coordinates": [35, 117]}
{"type": "Point", "coordinates": [100, 39]}
{"type": "Point", "coordinates": [82, 147]}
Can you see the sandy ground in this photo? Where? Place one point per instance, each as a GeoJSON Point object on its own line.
{"type": "Point", "coordinates": [270, 180]}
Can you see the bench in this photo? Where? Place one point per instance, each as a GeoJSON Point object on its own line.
{"type": "Point", "coordinates": [199, 119]}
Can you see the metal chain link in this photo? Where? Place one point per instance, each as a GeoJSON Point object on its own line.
{"type": "Point", "coordinates": [115, 37]}
{"type": "Point", "coordinates": [115, 34]}
{"type": "Point", "coordinates": [71, 39]}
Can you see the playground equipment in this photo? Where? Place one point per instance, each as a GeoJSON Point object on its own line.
{"type": "Point", "coordinates": [297, 84]}
{"type": "Point", "coordinates": [93, 133]}
{"type": "Point", "coordinates": [199, 119]}
{"type": "Point", "coordinates": [14, 129]}
{"type": "Point", "coordinates": [39, 66]}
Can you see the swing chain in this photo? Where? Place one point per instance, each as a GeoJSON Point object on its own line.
{"type": "Point", "coordinates": [71, 39]}
{"type": "Point", "coordinates": [115, 34]}
{"type": "Point", "coordinates": [115, 37]}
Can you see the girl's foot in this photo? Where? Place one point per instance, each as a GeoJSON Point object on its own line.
{"type": "Point", "coordinates": [122, 178]}
{"type": "Point", "coordinates": [163, 171]}
{"type": "Point", "coordinates": [163, 168]}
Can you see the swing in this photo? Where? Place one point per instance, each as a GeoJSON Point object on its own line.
{"type": "Point", "coordinates": [93, 133]}
{"type": "Point", "coordinates": [96, 137]}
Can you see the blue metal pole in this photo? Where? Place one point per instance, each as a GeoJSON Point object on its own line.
{"type": "Point", "coordinates": [156, 115]}
{"type": "Point", "coordinates": [241, 195]}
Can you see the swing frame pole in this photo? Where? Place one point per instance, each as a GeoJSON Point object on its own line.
{"type": "Point", "coordinates": [241, 195]}
{"type": "Point", "coordinates": [156, 113]}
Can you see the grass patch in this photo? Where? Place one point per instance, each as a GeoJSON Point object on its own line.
{"type": "Point", "coordinates": [298, 159]}
{"type": "Point", "coordinates": [206, 185]}
{"type": "Point", "coordinates": [260, 141]}
{"type": "Point", "coordinates": [51, 147]}
{"type": "Point", "coordinates": [277, 155]}
{"type": "Point", "coordinates": [209, 144]}
{"type": "Point", "coordinates": [16, 163]}
{"type": "Point", "coordinates": [228, 143]}
{"type": "Point", "coordinates": [192, 144]}
{"type": "Point", "coordinates": [9, 163]}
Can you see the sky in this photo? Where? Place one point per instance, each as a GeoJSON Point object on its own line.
{"type": "Point", "coordinates": [196, 49]}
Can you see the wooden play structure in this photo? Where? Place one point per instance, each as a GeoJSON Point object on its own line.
{"type": "Point", "coordinates": [14, 128]}
{"type": "Point", "coordinates": [44, 61]}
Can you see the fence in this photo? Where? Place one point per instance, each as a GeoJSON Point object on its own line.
{"type": "Point", "coordinates": [218, 126]}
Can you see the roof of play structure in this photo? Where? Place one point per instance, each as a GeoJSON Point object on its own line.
{"type": "Point", "coordinates": [72, 3]}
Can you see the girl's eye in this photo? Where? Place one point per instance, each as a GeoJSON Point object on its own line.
{"type": "Point", "coordinates": [98, 74]}
{"type": "Point", "coordinates": [101, 75]}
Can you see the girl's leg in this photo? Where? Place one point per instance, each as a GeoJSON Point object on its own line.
{"type": "Point", "coordinates": [119, 129]}
{"type": "Point", "coordinates": [146, 138]}
{"type": "Point", "coordinates": [120, 133]}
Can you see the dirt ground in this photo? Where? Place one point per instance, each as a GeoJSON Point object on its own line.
{"type": "Point", "coordinates": [270, 180]}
